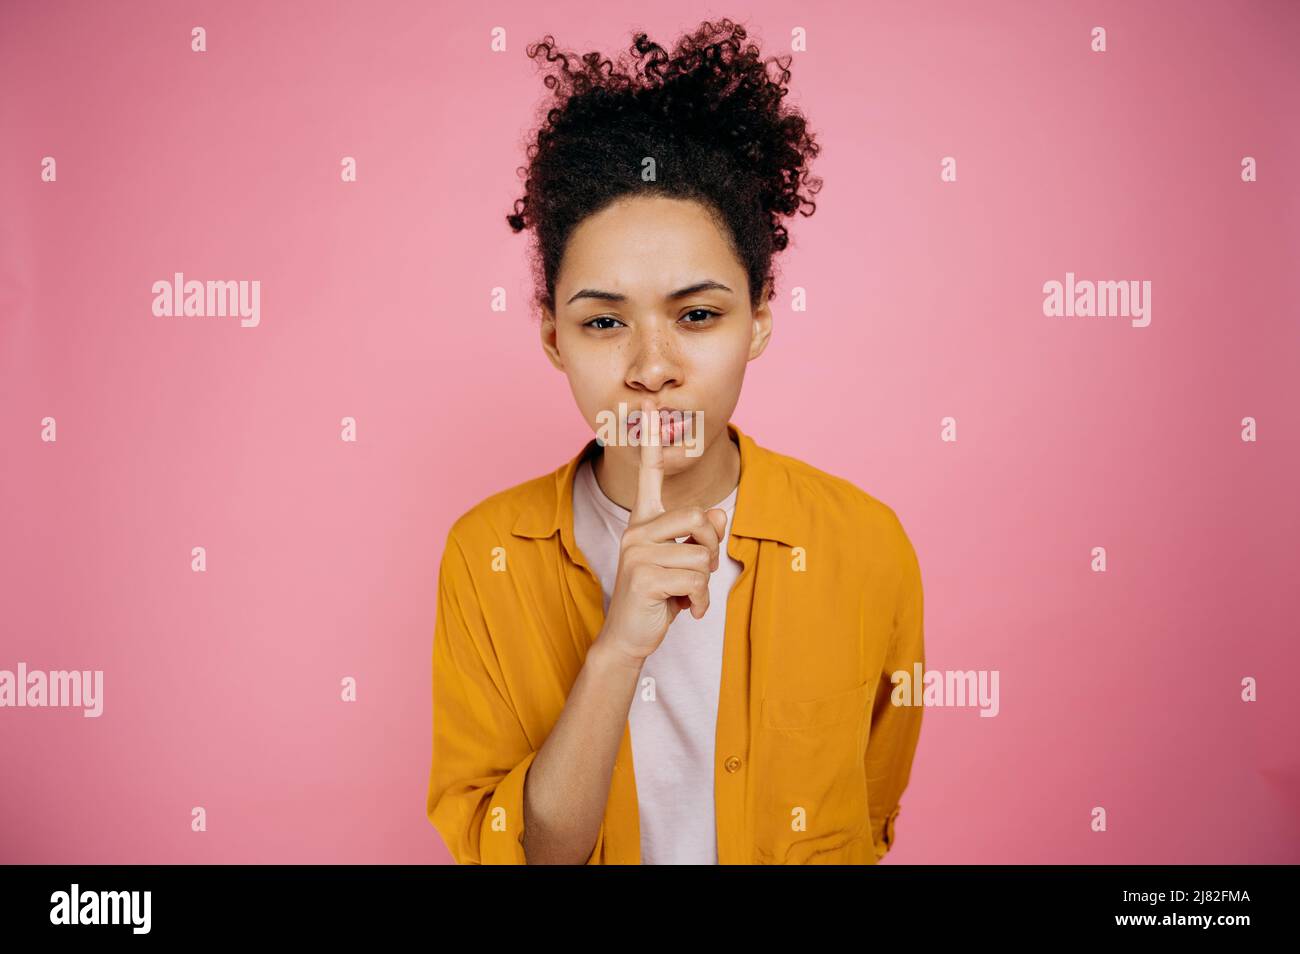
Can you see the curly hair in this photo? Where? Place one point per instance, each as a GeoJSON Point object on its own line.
{"type": "Point", "coordinates": [710, 116]}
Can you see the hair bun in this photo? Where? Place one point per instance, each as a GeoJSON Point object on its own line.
{"type": "Point", "coordinates": [710, 114]}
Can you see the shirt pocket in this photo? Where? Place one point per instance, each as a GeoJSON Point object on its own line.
{"type": "Point", "coordinates": [809, 778]}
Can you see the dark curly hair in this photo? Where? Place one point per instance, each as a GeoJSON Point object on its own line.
{"type": "Point", "coordinates": [711, 117]}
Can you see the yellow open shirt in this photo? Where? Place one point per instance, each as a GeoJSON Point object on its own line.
{"type": "Point", "coordinates": [811, 757]}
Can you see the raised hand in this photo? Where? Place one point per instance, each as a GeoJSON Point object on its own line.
{"type": "Point", "coordinates": [658, 576]}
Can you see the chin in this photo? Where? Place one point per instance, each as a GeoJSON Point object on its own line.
{"type": "Point", "coordinates": [677, 460]}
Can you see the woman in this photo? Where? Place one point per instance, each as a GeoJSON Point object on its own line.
{"type": "Point", "coordinates": [761, 721]}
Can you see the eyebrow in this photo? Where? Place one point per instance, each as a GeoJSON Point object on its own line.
{"type": "Point", "coordinates": [706, 285]}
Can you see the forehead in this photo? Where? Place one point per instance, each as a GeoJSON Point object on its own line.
{"type": "Point", "coordinates": [646, 244]}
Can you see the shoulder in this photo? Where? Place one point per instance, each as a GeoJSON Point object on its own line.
{"type": "Point", "coordinates": [491, 521]}
{"type": "Point", "coordinates": [849, 514]}
{"type": "Point", "coordinates": [837, 495]}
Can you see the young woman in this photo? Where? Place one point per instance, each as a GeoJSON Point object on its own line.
{"type": "Point", "coordinates": [579, 716]}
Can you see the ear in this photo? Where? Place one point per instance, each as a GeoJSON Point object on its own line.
{"type": "Point", "coordinates": [762, 328]}
{"type": "Point", "coordinates": [550, 342]}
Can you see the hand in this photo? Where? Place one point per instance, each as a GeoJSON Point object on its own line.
{"type": "Point", "coordinates": [658, 577]}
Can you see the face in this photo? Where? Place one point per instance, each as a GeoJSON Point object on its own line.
{"type": "Point", "coordinates": [631, 320]}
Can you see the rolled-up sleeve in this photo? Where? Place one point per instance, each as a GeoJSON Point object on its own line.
{"type": "Point", "coordinates": [481, 753]}
{"type": "Point", "coordinates": [896, 729]}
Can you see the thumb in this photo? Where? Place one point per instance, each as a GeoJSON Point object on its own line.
{"type": "Point", "coordinates": [719, 518]}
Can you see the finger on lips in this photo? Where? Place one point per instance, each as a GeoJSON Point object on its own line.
{"type": "Point", "coordinates": [650, 479]}
{"type": "Point", "coordinates": [663, 526]}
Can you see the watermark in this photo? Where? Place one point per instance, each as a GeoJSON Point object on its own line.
{"type": "Point", "coordinates": [1105, 299]}
{"type": "Point", "coordinates": [102, 907]}
{"type": "Point", "coordinates": [947, 687]}
{"type": "Point", "coordinates": [677, 428]}
{"type": "Point", "coordinates": [56, 689]}
{"type": "Point", "coordinates": [213, 299]}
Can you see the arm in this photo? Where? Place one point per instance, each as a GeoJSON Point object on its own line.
{"type": "Point", "coordinates": [482, 756]}
{"type": "Point", "coordinates": [895, 729]}
{"type": "Point", "coordinates": [564, 800]}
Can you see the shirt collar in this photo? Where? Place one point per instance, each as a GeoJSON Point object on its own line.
{"type": "Point", "coordinates": [763, 498]}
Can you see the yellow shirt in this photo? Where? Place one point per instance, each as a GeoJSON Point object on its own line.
{"type": "Point", "coordinates": [811, 756]}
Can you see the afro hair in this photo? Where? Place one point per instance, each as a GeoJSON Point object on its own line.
{"type": "Point", "coordinates": [709, 114]}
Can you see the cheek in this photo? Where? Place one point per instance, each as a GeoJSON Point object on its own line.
{"type": "Point", "coordinates": [723, 361]}
{"type": "Point", "coordinates": [594, 374]}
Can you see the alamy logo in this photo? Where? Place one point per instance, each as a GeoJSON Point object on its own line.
{"type": "Point", "coordinates": [947, 687]}
{"type": "Point", "coordinates": [102, 907]}
{"type": "Point", "coordinates": [1107, 299]}
{"type": "Point", "coordinates": [212, 299]}
{"type": "Point", "coordinates": [58, 688]}
{"type": "Point", "coordinates": [677, 428]}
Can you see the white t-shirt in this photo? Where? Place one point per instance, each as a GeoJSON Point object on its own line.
{"type": "Point", "coordinates": [673, 731]}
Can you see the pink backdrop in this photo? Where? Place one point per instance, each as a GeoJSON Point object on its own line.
{"type": "Point", "coordinates": [222, 689]}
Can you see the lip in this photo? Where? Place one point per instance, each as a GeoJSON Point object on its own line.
{"type": "Point", "coordinates": [674, 423]}
{"type": "Point", "coordinates": [634, 415]}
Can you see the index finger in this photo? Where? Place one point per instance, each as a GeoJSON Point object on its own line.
{"type": "Point", "coordinates": [650, 477]}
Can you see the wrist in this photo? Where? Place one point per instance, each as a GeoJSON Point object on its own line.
{"type": "Point", "coordinates": [608, 656]}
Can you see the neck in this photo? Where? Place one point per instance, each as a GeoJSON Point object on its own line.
{"type": "Point", "coordinates": [708, 481]}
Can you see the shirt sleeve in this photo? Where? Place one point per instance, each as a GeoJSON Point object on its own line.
{"type": "Point", "coordinates": [481, 753]}
{"type": "Point", "coordinates": [896, 729]}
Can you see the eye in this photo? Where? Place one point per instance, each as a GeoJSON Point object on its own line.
{"type": "Point", "coordinates": [703, 315]}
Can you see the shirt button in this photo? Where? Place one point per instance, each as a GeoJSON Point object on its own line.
{"type": "Point", "coordinates": [732, 764]}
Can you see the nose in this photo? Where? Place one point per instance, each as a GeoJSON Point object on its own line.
{"type": "Point", "coordinates": [655, 362]}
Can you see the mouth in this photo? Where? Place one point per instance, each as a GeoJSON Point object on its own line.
{"type": "Point", "coordinates": [674, 423]}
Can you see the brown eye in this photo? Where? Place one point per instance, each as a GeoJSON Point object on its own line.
{"type": "Point", "coordinates": [592, 322]}
{"type": "Point", "coordinates": [703, 312]}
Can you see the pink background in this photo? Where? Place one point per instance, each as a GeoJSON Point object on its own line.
{"type": "Point", "coordinates": [222, 688]}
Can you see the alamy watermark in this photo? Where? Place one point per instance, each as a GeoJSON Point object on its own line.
{"type": "Point", "coordinates": [1104, 299]}
{"type": "Point", "coordinates": [212, 299]}
{"type": "Point", "coordinates": [57, 689]}
{"type": "Point", "coordinates": [946, 687]}
{"type": "Point", "coordinates": [677, 428]}
{"type": "Point", "coordinates": [102, 907]}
